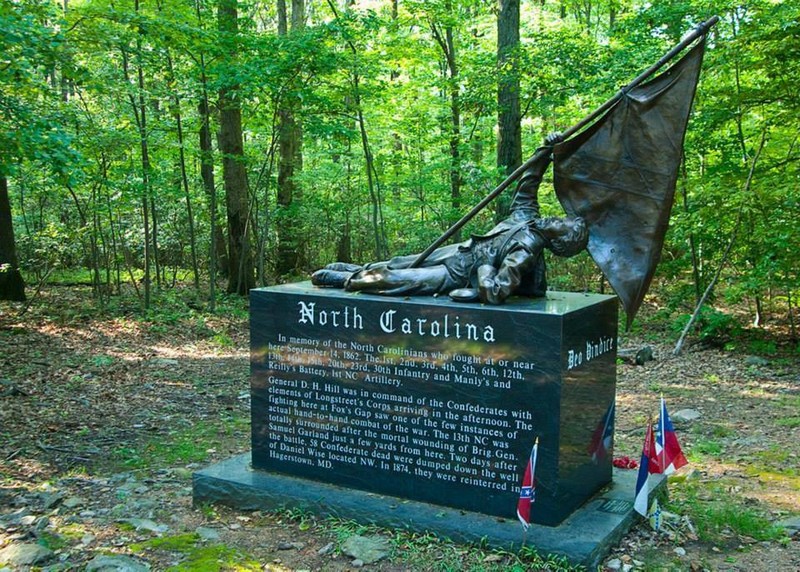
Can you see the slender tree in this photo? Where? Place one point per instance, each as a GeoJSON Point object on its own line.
{"type": "Point", "coordinates": [12, 286]}
{"type": "Point", "coordinates": [140, 114]}
{"type": "Point", "coordinates": [444, 37]}
{"type": "Point", "coordinates": [290, 156]}
{"type": "Point", "coordinates": [241, 277]}
{"type": "Point", "coordinates": [509, 135]}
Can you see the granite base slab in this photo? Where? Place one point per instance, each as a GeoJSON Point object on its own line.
{"type": "Point", "coordinates": [584, 538]}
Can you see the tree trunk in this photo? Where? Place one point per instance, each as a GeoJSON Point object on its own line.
{"type": "Point", "coordinates": [509, 135]}
{"type": "Point", "coordinates": [12, 286]}
{"type": "Point", "coordinates": [241, 276]}
{"type": "Point", "coordinates": [218, 242]}
{"type": "Point", "coordinates": [290, 160]}
{"type": "Point", "coordinates": [184, 177]}
{"type": "Point", "coordinates": [373, 185]}
{"type": "Point", "coordinates": [447, 44]}
{"type": "Point", "coordinates": [218, 251]}
{"type": "Point", "coordinates": [140, 114]}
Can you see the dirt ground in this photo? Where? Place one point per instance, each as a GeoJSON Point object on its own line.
{"type": "Point", "coordinates": [104, 416]}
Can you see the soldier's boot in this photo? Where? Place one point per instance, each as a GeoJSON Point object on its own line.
{"type": "Point", "coordinates": [330, 278]}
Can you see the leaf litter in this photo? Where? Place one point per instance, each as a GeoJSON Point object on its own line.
{"type": "Point", "coordinates": [118, 411]}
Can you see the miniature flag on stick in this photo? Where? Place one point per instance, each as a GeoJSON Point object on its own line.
{"type": "Point", "coordinates": [647, 466]}
{"type": "Point", "coordinates": [527, 493]}
{"type": "Point", "coordinates": [603, 437]}
{"type": "Point", "coordinates": [668, 450]}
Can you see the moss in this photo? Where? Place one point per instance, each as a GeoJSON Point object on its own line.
{"type": "Point", "coordinates": [198, 557]}
{"type": "Point", "coordinates": [215, 558]}
{"type": "Point", "coordinates": [175, 543]}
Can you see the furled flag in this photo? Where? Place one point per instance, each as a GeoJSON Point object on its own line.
{"type": "Point", "coordinates": [527, 493]}
{"type": "Point", "coordinates": [668, 450]}
{"type": "Point", "coordinates": [603, 437]}
{"type": "Point", "coordinates": [654, 516]}
{"type": "Point", "coordinates": [647, 466]}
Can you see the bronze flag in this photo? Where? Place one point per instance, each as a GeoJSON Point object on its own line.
{"type": "Point", "coordinates": [619, 174]}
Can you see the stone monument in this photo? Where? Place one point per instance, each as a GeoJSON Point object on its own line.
{"type": "Point", "coordinates": [432, 400]}
{"type": "Point", "coordinates": [384, 400]}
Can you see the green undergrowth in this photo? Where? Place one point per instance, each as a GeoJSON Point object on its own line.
{"type": "Point", "coordinates": [424, 551]}
{"type": "Point", "coordinates": [719, 517]}
{"type": "Point", "coordinates": [197, 556]}
{"type": "Point", "coordinates": [181, 446]}
{"type": "Point", "coordinates": [180, 309]}
{"type": "Point", "coordinates": [657, 559]}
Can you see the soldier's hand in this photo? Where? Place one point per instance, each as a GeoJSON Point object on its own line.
{"type": "Point", "coordinates": [553, 138]}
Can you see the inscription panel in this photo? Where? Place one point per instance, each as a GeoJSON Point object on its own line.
{"type": "Point", "coordinates": [421, 398]}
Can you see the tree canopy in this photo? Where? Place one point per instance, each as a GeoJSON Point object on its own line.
{"type": "Point", "coordinates": [366, 128]}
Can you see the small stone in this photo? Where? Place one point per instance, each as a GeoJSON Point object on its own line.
{"type": "Point", "coordinates": [627, 567]}
{"type": "Point", "coordinates": [693, 475]}
{"type": "Point", "coordinates": [368, 549]}
{"type": "Point", "coordinates": [614, 564]}
{"type": "Point", "coordinates": [181, 473]}
{"type": "Point", "coordinates": [27, 520]}
{"type": "Point", "coordinates": [792, 525]}
{"type": "Point", "coordinates": [24, 554]}
{"type": "Point", "coordinates": [644, 355]}
{"type": "Point", "coordinates": [206, 533]}
{"type": "Point", "coordinates": [87, 538]}
{"type": "Point", "coordinates": [116, 563]}
{"type": "Point", "coordinates": [291, 546]}
{"type": "Point", "coordinates": [756, 361]}
{"type": "Point", "coordinates": [327, 549]}
{"type": "Point", "coordinates": [686, 415]}
{"type": "Point", "coordinates": [680, 551]}
{"type": "Point", "coordinates": [51, 500]}
{"type": "Point", "coordinates": [41, 524]}
{"type": "Point", "coordinates": [145, 524]}
{"type": "Point", "coordinates": [15, 517]}
{"type": "Point", "coordinates": [357, 563]}
{"type": "Point", "coordinates": [73, 502]}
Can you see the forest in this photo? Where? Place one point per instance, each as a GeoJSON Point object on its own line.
{"type": "Point", "coordinates": [146, 144]}
{"type": "Point", "coordinates": [160, 158]}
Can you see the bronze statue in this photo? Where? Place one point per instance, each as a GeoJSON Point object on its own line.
{"type": "Point", "coordinates": [614, 174]}
{"type": "Point", "coordinates": [506, 260]}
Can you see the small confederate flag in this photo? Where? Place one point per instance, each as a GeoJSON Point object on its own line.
{"type": "Point", "coordinates": [527, 493]}
{"type": "Point", "coordinates": [603, 437]}
{"type": "Point", "coordinates": [647, 466]}
{"type": "Point", "coordinates": [668, 450]}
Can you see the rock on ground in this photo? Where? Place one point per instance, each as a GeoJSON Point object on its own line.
{"type": "Point", "coordinates": [24, 554]}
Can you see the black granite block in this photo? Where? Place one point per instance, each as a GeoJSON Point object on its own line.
{"type": "Point", "coordinates": [431, 400]}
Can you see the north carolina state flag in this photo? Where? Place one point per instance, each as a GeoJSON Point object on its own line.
{"type": "Point", "coordinates": [668, 450]}
{"type": "Point", "coordinates": [527, 493]}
